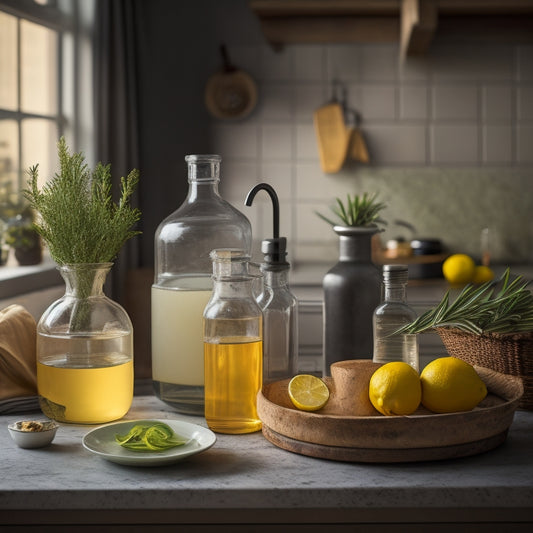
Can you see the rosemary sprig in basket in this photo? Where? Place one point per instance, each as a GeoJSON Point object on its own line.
{"type": "Point", "coordinates": [482, 309]}
{"type": "Point", "coordinates": [358, 211]}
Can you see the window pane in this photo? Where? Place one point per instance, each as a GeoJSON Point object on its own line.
{"type": "Point", "coordinates": [9, 165]}
{"type": "Point", "coordinates": [39, 146]}
{"type": "Point", "coordinates": [8, 61]}
{"type": "Point", "coordinates": [38, 69]}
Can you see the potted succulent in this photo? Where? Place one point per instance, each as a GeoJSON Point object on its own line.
{"type": "Point", "coordinates": [352, 288]}
{"type": "Point", "coordinates": [25, 241]}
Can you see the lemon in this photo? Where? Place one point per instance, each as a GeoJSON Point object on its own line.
{"type": "Point", "coordinates": [394, 389]}
{"type": "Point", "coordinates": [459, 268]}
{"type": "Point", "coordinates": [482, 274]}
{"type": "Point", "coordinates": [308, 392]}
{"type": "Point", "coordinates": [451, 385]}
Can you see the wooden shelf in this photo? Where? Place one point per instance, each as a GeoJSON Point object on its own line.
{"type": "Point", "coordinates": [412, 23]}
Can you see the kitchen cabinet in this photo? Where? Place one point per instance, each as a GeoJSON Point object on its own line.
{"type": "Point", "coordinates": [414, 24]}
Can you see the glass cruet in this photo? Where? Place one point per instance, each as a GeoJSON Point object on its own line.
{"type": "Point", "coordinates": [233, 346]}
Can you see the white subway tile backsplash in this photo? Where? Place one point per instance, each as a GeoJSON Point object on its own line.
{"type": "Point", "coordinates": [238, 139]}
{"type": "Point", "coordinates": [426, 123]}
{"type": "Point", "coordinates": [525, 144]}
{"type": "Point", "coordinates": [307, 99]}
{"type": "Point", "coordinates": [471, 62]}
{"type": "Point", "coordinates": [414, 68]}
{"type": "Point", "coordinates": [454, 144]}
{"type": "Point", "coordinates": [497, 144]}
{"type": "Point", "coordinates": [236, 179]}
{"type": "Point", "coordinates": [309, 226]}
{"type": "Point", "coordinates": [306, 142]}
{"type": "Point", "coordinates": [497, 102]}
{"type": "Point", "coordinates": [451, 102]}
{"type": "Point", "coordinates": [276, 141]}
{"type": "Point", "coordinates": [396, 144]}
{"type": "Point", "coordinates": [276, 102]}
{"type": "Point", "coordinates": [379, 63]}
{"type": "Point", "coordinates": [377, 102]}
{"type": "Point", "coordinates": [308, 63]}
{"type": "Point", "coordinates": [343, 62]}
{"type": "Point", "coordinates": [413, 102]}
{"type": "Point", "coordinates": [279, 175]}
{"type": "Point", "coordinates": [525, 63]}
{"type": "Point", "coordinates": [525, 102]}
{"type": "Point", "coordinates": [275, 65]}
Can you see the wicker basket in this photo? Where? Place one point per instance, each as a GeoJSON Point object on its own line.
{"type": "Point", "coordinates": [510, 353]}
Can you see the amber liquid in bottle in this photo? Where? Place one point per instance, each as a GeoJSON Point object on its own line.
{"type": "Point", "coordinates": [233, 377]}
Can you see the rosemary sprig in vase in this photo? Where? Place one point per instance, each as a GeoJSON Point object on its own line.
{"type": "Point", "coordinates": [78, 219]}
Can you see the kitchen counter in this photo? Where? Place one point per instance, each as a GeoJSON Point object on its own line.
{"type": "Point", "coordinates": [244, 483]}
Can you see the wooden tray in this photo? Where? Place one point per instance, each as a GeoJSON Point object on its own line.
{"type": "Point", "coordinates": [422, 436]}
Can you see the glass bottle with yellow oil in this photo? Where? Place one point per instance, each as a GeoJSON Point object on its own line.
{"type": "Point", "coordinates": [233, 346]}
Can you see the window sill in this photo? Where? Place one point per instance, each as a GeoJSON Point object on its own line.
{"type": "Point", "coordinates": [16, 280]}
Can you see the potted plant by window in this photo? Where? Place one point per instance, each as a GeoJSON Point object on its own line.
{"type": "Point", "coordinates": [26, 243]}
{"type": "Point", "coordinates": [352, 288]}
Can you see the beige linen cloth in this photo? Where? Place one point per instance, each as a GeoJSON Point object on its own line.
{"type": "Point", "coordinates": [18, 371]}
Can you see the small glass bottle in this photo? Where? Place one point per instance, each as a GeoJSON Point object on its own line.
{"type": "Point", "coordinates": [391, 315]}
{"type": "Point", "coordinates": [85, 351]}
{"type": "Point", "coordinates": [280, 307]}
{"type": "Point", "coordinates": [183, 282]}
{"type": "Point", "coordinates": [233, 346]}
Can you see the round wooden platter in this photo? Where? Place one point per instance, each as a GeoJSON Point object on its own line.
{"type": "Point", "coordinates": [423, 436]}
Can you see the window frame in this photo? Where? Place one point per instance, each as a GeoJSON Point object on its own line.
{"type": "Point", "coordinates": [74, 22]}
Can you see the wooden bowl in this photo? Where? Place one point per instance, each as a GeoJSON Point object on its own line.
{"type": "Point", "coordinates": [332, 434]}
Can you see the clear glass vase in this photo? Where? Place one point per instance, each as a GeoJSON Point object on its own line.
{"type": "Point", "coordinates": [85, 351]}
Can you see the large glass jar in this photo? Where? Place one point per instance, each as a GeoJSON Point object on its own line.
{"type": "Point", "coordinates": [233, 346]}
{"type": "Point", "coordinates": [183, 283]}
{"type": "Point", "coordinates": [85, 351]}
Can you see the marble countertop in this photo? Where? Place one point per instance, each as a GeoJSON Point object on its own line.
{"type": "Point", "coordinates": [246, 479]}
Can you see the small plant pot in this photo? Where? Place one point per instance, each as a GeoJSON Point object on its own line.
{"type": "Point", "coordinates": [27, 257]}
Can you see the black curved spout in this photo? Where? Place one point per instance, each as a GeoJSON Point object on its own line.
{"type": "Point", "coordinates": [275, 203]}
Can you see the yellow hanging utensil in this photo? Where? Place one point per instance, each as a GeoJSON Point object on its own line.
{"type": "Point", "coordinates": [332, 136]}
{"type": "Point", "coordinates": [357, 149]}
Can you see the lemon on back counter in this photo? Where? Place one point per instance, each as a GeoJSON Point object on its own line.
{"type": "Point", "coordinates": [394, 389]}
{"type": "Point", "coordinates": [482, 274]}
{"type": "Point", "coordinates": [308, 392]}
{"type": "Point", "coordinates": [459, 268]}
{"type": "Point", "coordinates": [451, 385]}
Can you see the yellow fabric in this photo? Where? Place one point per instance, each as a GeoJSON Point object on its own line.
{"type": "Point", "coordinates": [18, 367]}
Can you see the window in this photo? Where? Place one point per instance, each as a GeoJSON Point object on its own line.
{"type": "Point", "coordinates": [45, 90]}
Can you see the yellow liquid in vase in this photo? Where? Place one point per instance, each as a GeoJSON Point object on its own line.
{"type": "Point", "coordinates": [89, 395]}
{"type": "Point", "coordinates": [233, 377]}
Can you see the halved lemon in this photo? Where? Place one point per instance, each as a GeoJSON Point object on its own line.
{"type": "Point", "coordinates": [308, 392]}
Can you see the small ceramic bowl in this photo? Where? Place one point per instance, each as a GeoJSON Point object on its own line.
{"type": "Point", "coordinates": [33, 433]}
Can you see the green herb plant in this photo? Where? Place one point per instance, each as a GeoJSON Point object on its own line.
{"type": "Point", "coordinates": [360, 211]}
{"type": "Point", "coordinates": [78, 219]}
{"type": "Point", "coordinates": [156, 437]}
{"type": "Point", "coordinates": [482, 309]}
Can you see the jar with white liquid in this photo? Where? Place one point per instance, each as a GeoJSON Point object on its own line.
{"type": "Point", "coordinates": [183, 282]}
